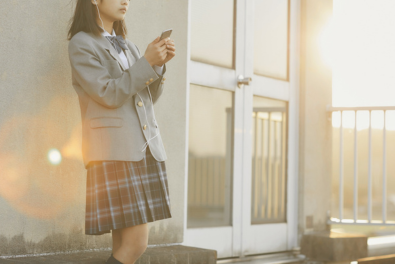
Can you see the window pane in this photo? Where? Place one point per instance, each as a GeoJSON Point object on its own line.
{"type": "Point", "coordinates": [271, 38]}
{"type": "Point", "coordinates": [268, 161]}
{"type": "Point", "coordinates": [210, 157]}
{"type": "Point", "coordinates": [212, 24]}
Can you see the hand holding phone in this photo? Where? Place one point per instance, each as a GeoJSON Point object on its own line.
{"type": "Point", "coordinates": [170, 47]}
{"type": "Point", "coordinates": [156, 51]}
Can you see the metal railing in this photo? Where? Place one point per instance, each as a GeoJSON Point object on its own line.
{"type": "Point", "coordinates": [355, 220]}
{"type": "Point", "coordinates": [268, 190]}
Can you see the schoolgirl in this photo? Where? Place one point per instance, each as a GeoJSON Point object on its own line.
{"type": "Point", "coordinates": [122, 148]}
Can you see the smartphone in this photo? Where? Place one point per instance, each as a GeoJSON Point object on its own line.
{"type": "Point", "coordinates": [166, 33]}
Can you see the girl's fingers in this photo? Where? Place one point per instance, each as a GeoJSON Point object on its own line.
{"type": "Point", "coordinates": [170, 46]}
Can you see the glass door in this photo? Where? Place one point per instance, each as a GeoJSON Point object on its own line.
{"type": "Point", "coordinates": [240, 151]}
{"type": "Point", "coordinates": [215, 125]}
{"type": "Point", "coordinates": [266, 186]}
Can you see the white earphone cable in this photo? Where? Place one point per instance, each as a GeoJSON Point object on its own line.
{"type": "Point", "coordinates": [99, 14]}
{"type": "Point", "coordinates": [146, 143]}
{"type": "Point", "coordinates": [122, 21]}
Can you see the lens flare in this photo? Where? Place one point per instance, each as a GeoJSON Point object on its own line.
{"type": "Point", "coordinates": [54, 156]}
{"type": "Point", "coordinates": [326, 44]}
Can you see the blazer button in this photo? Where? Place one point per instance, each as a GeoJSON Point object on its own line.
{"type": "Point", "coordinates": [162, 82]}
{"type": "Point", "coordinates": [164, 78]}
{"type": "Point", "coordinates": [145, 127]}
{"type": "Point", "coordinates": [140, 103]}
{"type": "Point", "coordinates": [151, 79]}
{"type": "Point", "coordinates": [147, 82]}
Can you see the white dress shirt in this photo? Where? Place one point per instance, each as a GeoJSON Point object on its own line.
{"type": "Point", "coordinates": [158, 69]}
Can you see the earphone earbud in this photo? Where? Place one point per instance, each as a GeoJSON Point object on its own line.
{"type": "Point", "coordinates": [102, 20]}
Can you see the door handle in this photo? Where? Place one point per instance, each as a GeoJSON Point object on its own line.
{"type": "Point", "coordinates": [241, 81]}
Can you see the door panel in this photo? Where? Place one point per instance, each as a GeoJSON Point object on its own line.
{"type": "Point", "coordinates": [239, 136]}
{"type": "Point", "coordinates": [210, 157]}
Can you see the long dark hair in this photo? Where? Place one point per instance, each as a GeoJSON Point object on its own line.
{"type": "Point", "coordinates": [84, 19]}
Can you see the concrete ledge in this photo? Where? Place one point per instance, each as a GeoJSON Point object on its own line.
{"type": "Point", "coordinates": [387, 259]}
{"type": "Point", "coordinates": [334, 247]}
{"type": "Point", "coordinates": [178, 255]}
{"type": "Point", "coordinates": [155, 255]}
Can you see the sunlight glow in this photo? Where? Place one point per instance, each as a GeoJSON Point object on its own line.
{"type": "Point", "coordinates": [381, 240]}
{"type": "Point", "coordinates": [54, 156]}
{"type": "Point", "coordinates": [364, 58]}
{"type": "Point", "coordinates": [326, 43]}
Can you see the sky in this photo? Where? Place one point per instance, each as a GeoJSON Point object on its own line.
{"type": "Point", "coordinates": [362, 57]}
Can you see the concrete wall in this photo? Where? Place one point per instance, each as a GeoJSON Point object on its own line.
{"type": "Point", "coordinates": [315, 140]}
{"type": "Point", "coordinates": [42, 205]}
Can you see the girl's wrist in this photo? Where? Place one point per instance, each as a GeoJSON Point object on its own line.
{"type": "Point", "coordinates": [148, 61]}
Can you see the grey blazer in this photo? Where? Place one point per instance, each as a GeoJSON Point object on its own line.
{"type": "Point", "coordinates": [115, 125]}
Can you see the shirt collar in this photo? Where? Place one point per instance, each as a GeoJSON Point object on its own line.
{"type": "Point", "coordinates": [105, 33]}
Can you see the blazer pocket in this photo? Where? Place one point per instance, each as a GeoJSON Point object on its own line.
{"type": "Point", "coordinates": [106, 122]}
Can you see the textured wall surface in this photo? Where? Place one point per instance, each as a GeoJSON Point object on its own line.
{"type": "Point", "coordinates": [43, 205]}
{"type": "Point", "coordinates": [315, 138]}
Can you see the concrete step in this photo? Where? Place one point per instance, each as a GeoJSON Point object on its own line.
{"type": "Point", "coordinates": [153, 255]}
{"type": "Point", "coordinates": [285, 258]}
{"type": "Point", "coordinates": [278, 261]}
{"type": "Point", "coordinates": [386, 259]}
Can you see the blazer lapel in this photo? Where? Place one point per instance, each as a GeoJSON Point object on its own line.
{"type": "Point", "coordinates": [131, 58]}
{"type": "Point", "coordinates": [133, 52]}
{"type": "Point", "coordinates": [115, 55]}
{"type": "Point", "coordinates": [110, 49]}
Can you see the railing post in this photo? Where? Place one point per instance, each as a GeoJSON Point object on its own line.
{"type": "Point", "coordinates": [355, 170]}
{"type": "Point", "coordinates": [341, 169]}
{"type": "Point", "coordinates": [370, 169]}
{"type": "Point", "coordinates": [269, 167]}
{"type": "Point", "coordinates": [384, 170]}
{"type": "Point", "coordinates": [355, 221]}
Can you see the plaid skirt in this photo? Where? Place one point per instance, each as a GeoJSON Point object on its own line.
{"type": "Point", "coordinates": [125, 193]}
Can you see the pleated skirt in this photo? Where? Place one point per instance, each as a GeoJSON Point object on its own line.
{"type": "Point", "coordinates": [121, 194]}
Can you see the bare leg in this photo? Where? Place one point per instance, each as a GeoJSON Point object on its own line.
{"type": "Point", "coordinates": [116, 239]}
{"type": "Point", "coordinates": [134, 243]}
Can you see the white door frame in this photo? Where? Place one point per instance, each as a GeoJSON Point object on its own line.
{"type": "Point", "coordinates": [273, 237]}
{"type": "Point", "coordinates": [238, 239]}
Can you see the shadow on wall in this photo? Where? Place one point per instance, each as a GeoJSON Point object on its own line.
{"type": "Point", "coordinates": [55, 242]}
{"type": "Point", "coordinates": [77, 240]}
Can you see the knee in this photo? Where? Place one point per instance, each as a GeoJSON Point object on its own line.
{"type": "Point", "coordinates": [140, 248]}
{"type": "Point", "coordinates": [135, 249]}
{"type": "Point", "coordinates": [135, 240]}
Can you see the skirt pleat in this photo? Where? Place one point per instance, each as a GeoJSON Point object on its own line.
{"type": "Point", "coordinates": [121, 194]}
